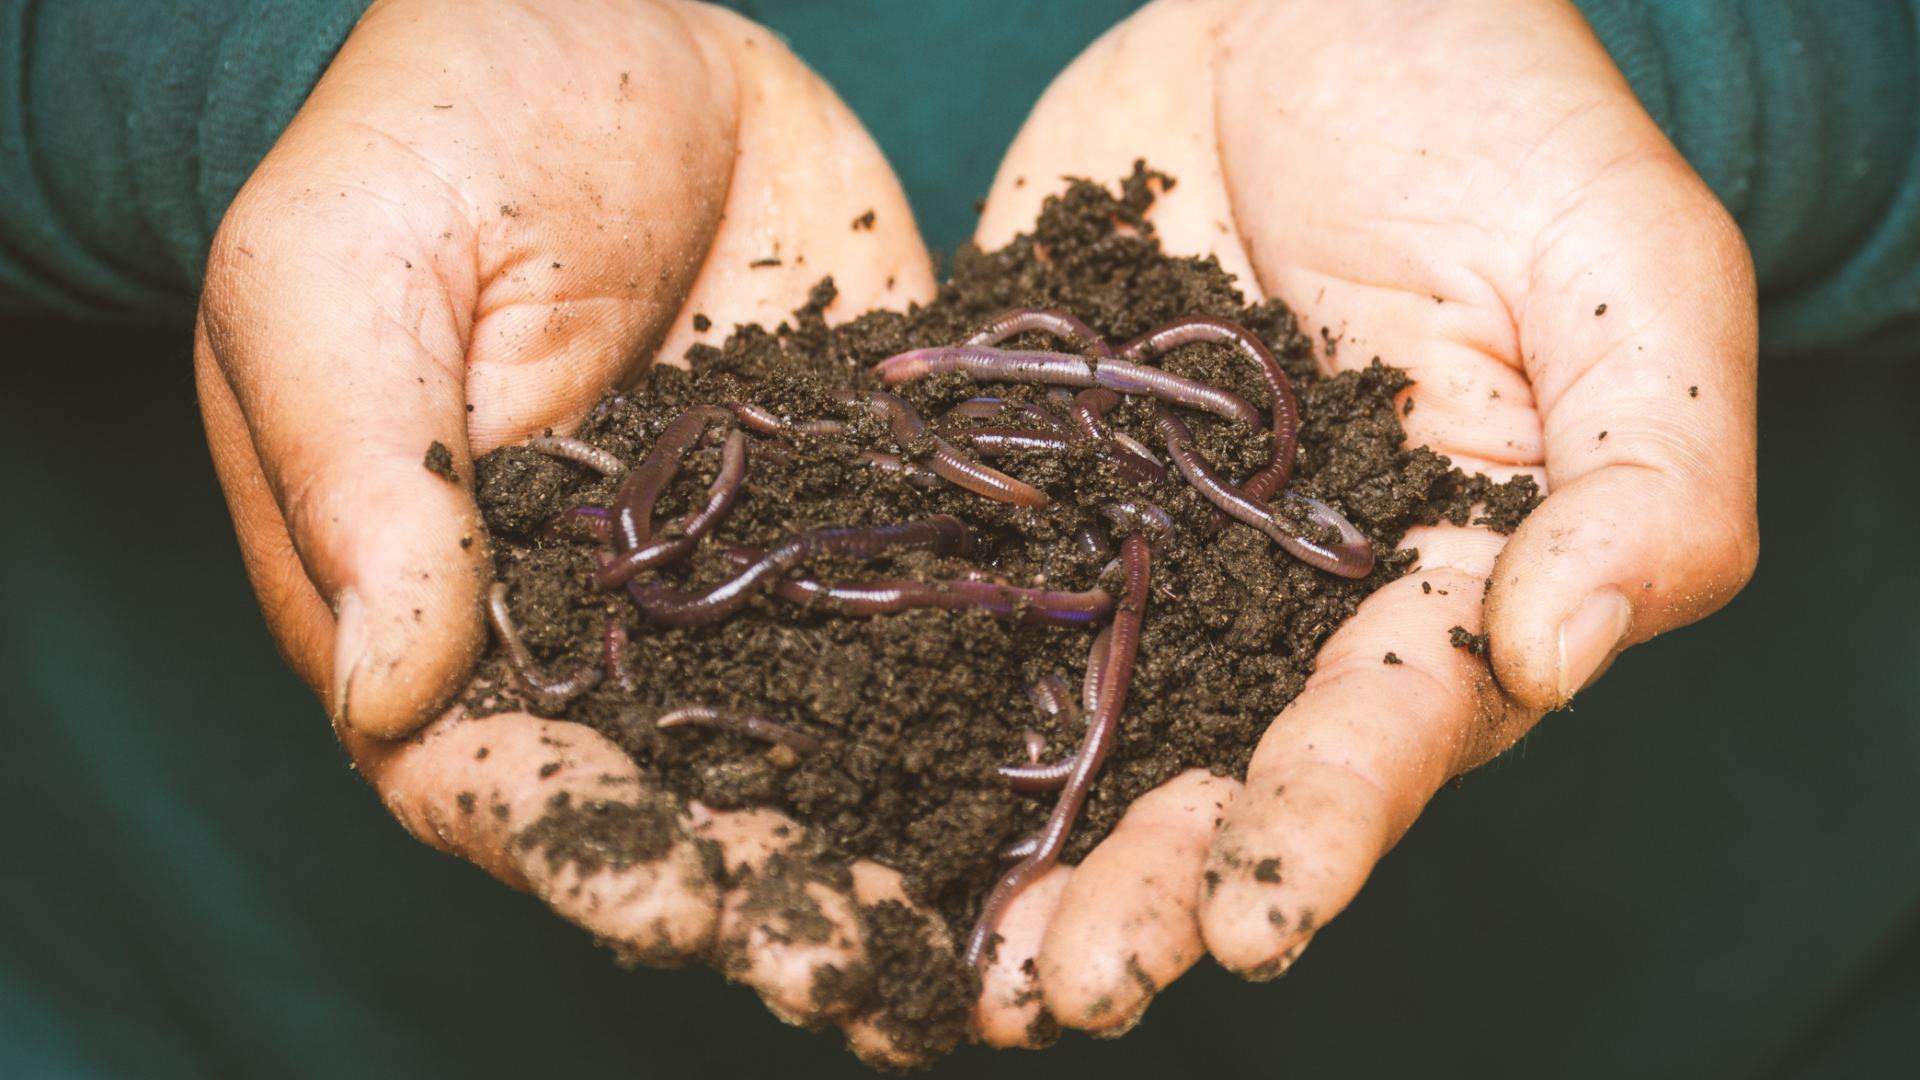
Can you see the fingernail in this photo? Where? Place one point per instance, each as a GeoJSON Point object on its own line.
{"type": "Point", "coordinates": [1589, 636]}
{"type": "Point", "coordinates": [349, 647]}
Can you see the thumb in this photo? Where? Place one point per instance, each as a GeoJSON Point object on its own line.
{"type": "Point", "coordinates": [1639, 336]}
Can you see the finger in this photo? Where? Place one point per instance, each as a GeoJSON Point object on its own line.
{"type": "Point", "coordinates": [1650, 434]}
{"type": "Point", "coordinates": [1349, 764]}
{"type": "Point", "coordinates": [1126, 926]}
{"type": "Point", "coordinates": [811, 196]}
{"type": "Point", "coordinates": [559, 810]}
{"type": "Point", "coordinates": [1012, 1010]}
{"type": "Point", "coordinates": [1101, 115]}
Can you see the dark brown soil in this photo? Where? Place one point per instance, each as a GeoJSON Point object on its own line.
{"type": "Point", "coordinates": [917, 709]}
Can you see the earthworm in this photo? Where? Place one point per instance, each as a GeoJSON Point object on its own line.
{"type": "Point", "coordinates": [1036, 744]}
{"type": "Point", "coordinates": [917, 475]}
{"type": "Point", "coordinates": [1089, 410]}
{"type": "Point", "coordinates": [990, 408]}
{"type": "Point", "coordinates": [560, 446]}
{"type": "Point", "coordinates": [1285, 408]}
{"type": "Point", "coordinates": [1351, 556]}
{"type": "Point", "coordinates": [1117, 672]}
{"type": "Point", "coordinates": [753, 727]}
{"type": "Point", "coordinates": [633, 503]}
{"type": "Point", "coordinates": [1046, 607]}
{"type": "Point", "coordinates": [993, 441]}
{"type": "Point", "coordinates": [614, 653]}
{"type": "Point", "coordinates": [1141, 518]}
{"type": "Point", "coordinates": [1050, 695]}
{"type": "Point", "coordinates": [549, 693]}
{"type": "Point", "coordinates": [596, 521]}
{"type": "Point", "coordinates": [765, 421]}
{"type": "Point", "coordinates": [1058, 323]}
{"type": "Point", "coordinates": [1092, 545]}
{"type": "Point", "coordinates": [680, 607]}
{"type": "Point", "coordinates": [1019, 849]}
{"type": "Point", "coordinates": [721, 495]}
{"type": "Point", "coordinates": [952, 466]}
{"type": "Point", "coordinates": [1049, 777]}
{"type": "Point", "coordinates": [1064, 369]}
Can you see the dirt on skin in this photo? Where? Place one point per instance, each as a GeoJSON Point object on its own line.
{"type": "Point", "coordinates": [917, 709]}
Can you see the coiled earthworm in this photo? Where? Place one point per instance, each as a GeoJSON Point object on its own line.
{"type": "Point", "coordinates": [633, 503]}
{"type": "Point", "coordinates": [1101, 728]}
{"type": "Point", "coordinates": [550, 694]}
{"type": "Point", "coordinates": [1350, 556]}
{"type": "Point", "coordinates": [721, 495]}
{"type": "Point", "coordinates": [952, 466]}
{"type": "Point", "coordinates": [1285, 408]}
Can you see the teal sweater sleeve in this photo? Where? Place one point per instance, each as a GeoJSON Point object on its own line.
{"type": "Point", "coordinates": [1804, 118]}
{"type": "Point", "coordinates": [127, 125]}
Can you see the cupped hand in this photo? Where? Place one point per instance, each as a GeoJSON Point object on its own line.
{"type": "Point", "coordinates": [485, 217]}
{"type": "Point", "coordinates": [1469, 191]}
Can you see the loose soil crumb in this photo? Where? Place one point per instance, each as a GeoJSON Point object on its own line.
{"type": "Point", "coordinates": [917, 709]}
{"type": "Point", "coordinates": [1473, 643]}
{"type": "Point", "coordinates": [439, 462]}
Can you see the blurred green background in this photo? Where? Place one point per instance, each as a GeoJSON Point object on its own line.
{"type": "Point", "coordinates": [1711, 868]}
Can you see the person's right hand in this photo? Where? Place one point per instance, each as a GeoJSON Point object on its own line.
{"type": "Point", "coordinates": [485, 217]}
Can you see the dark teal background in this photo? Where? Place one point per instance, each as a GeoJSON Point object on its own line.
{"type": "Point", "coordinates": [1711, 868]}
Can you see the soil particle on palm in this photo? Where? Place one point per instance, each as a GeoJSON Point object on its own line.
{"type": "Point", "coordinates": [439, 462]}
{"type": "Point", "coordinates": [596, 834]}
{"type": "Point", "coordinates": [1462, 638]}
{"type": "Point", "coordinates": [917, 709]}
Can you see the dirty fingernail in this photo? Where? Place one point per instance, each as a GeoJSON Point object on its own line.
{"type": "Point", "coordinates": [1589, 636]}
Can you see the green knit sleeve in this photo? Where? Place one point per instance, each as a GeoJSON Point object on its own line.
{"type": "Point", "coordinates": [1804, 118]}
{"type": "Point", "coordinates": [126, 126]}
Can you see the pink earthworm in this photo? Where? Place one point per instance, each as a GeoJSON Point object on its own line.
{"type": "Point", "coordinates": [674, 606]}
{"type": "Point", "coordinates": [721, 495]}
{"type": "Point", "coordinates": [953, 466]}
{"type": "Point", "coordinates": [753, 727]}
{"type": "Point", "coordinates": [1035, 777]}
{"type": "Point", "coordinates": [1285, 407]}
{"type": "Point", "coordinates": [1350, 556]}
{"type": "Point", "coordinates": [1057, 323]}
{"type": "Point", "coordinates": [1047, 607]}
{"type": "Point", "coordinates": [633, 502]}
{"type": "Point", "coordinates": [549, 693]}
{"type": "Point", "coordinates": [990, 408]}
{"type": "Point", "coordinates": [580, 453]}
{"type": "Point", "coordinates": [1064, 369]}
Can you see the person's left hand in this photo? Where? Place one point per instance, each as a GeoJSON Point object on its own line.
{"type": "Point", "coordinates": [1471, 192]}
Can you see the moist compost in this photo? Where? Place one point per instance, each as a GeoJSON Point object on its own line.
{"type": "Point", "coordinates": [914, 711]}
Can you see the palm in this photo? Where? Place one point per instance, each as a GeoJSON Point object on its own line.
{"type": "Point", "coordinates": [1465, 191]}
